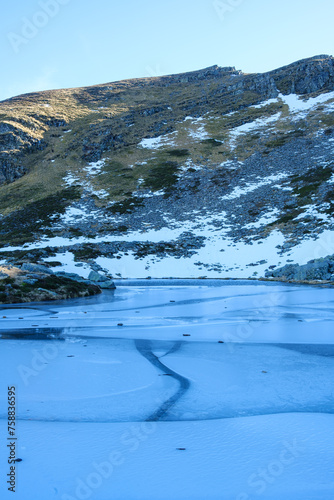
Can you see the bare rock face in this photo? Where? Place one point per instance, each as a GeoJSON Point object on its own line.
{"type": "Point", "coordinates": [10, 168]}
{"type": "Point", "coordinates": [316, 269]}
{"type": "Point", "coordinates": [305, 76]}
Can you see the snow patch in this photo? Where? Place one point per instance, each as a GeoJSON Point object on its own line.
{"type": "Point", "coordinates": [267, 218]}
{"type": "Point", "coordinates": [313, 212]}
{"type": "Point", "coordinates": [68, 264]}
{"type": "Point", "coordinates": [70, 179]}
{"type": "Point", "coordinates": [259, 123]}
{"type": "Point", "coordinates": [73, 214]}
{"type": "Point", "coordinates": [94, 168]}
{"type": "Point", "coordinates": [158, 142]}
{"type": "Point", "coordinates": [265, 103]}
{"type": "Point", "coordinates": [248, 188]}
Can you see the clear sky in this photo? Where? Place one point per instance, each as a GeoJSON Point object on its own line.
{"type": "Point", "coordinates": [70, 43]}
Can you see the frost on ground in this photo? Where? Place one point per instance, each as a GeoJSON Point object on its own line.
{"type": "Point", "coordinates": [207, 391]}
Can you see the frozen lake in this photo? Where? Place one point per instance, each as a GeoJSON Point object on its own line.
{"type": "Point", "coordinates": [172, 390]}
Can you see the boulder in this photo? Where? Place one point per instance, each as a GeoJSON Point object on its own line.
{"type": "Point", "coordinates": [109, 284]}
{"type": "Point", "coordinates": [96, 277]}
{"type": "Point", "coordinates": [36, 268]}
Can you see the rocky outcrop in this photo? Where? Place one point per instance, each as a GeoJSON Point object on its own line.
{"type": "Point", "coordinates": [212, 72]}
{"type": "Point", "coordinates": [317, 269]}
{"type": "Point", "coordinates": [36, 283]}
{"type": "Point", "coordinates": [305, 76]}
{"type": "Point", "coordinates": [10, 168]}
{"type": "Point", "coordinates": [36, 268]}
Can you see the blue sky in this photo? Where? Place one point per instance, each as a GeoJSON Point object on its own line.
{"type": "Point", "coordinates": [69, 43]}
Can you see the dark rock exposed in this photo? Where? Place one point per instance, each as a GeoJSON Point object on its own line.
{"type": "Point", "coordinates": [319, 269]}
{"type": "Point", "coordinates": [35, 285]}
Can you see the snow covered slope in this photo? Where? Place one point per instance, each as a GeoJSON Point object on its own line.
{"type": "Point", "coordinates": [236, 185]}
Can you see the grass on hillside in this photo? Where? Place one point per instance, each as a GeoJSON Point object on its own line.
{"type": "Point", "coordinates": [22, 225]}
{"type": "Point", "coordinates": [75, 123]}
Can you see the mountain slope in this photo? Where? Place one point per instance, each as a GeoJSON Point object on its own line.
{"type": "Point", "coordinates": [209, 173]}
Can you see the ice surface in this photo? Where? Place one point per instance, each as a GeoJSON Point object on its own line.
{"type": "Point", "coordinates": [141, 411]}
{"type": "Point", "coordinates": [251, 379]}
{"type": "Point", "coordinates": [218, 257]}
{"type": "Point", "coordinates": [231, 311]}
{"type": "Point", "coordinates": [83, 381]}
{"type": "Point", "coordinates": [273, 457]}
